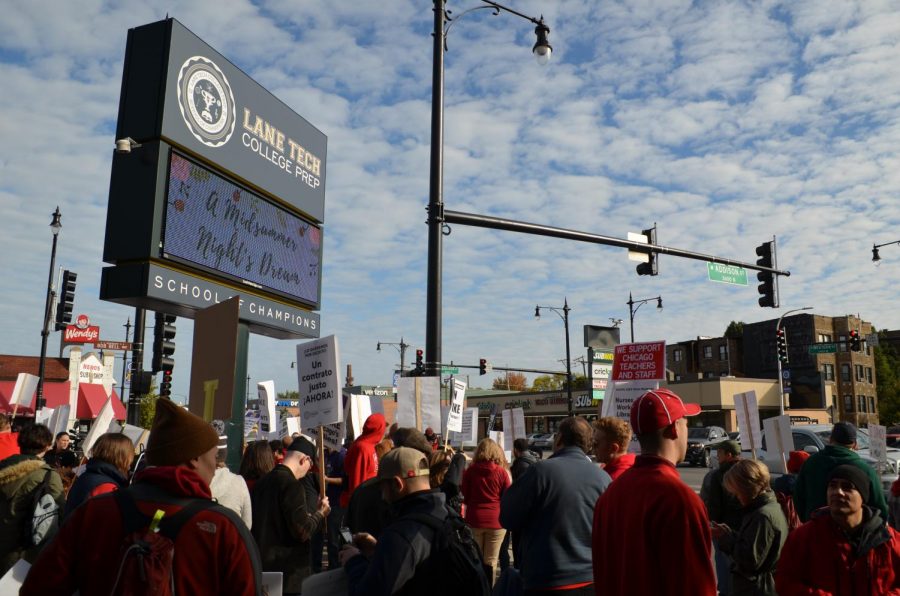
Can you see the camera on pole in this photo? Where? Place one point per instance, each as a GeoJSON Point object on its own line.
{"type": "Point", "coordinates": [768, 290]}
{"type": "Point", "coordinates": [66, 299]}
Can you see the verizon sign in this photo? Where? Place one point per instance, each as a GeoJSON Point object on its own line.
{"type": "Point", "coordinates": [82, 332]}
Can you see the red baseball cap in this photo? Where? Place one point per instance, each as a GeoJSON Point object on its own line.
{"type": "Point", "coordinates": [658, 409]}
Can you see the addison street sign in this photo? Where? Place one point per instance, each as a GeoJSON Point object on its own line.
{"type": "Point", "coordinates": [159, 288]}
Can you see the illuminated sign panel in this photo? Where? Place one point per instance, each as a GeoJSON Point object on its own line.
{"type": "Point", "coordinates": [219, 226]}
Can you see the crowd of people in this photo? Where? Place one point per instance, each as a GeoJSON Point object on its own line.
{"type": "Point", "coordinates": [400, 513]}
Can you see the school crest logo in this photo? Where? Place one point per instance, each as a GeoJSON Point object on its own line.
{"type": "Point", "coordinates": [206, 101]}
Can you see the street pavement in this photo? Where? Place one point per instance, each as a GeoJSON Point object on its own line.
{"type": "Point", "coordinates": [692, 476]}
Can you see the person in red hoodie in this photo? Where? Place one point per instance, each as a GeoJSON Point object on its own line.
{"type": "Point", "coordinates": [612, 436]}
{"type": "Point", "coordinates": [214, 552]}
{"type": "Point", "coordinates": [360, 464]}
{"type": "Point", "coordinates": [8, 440]}
{"type": "Point", "coordinates": [483, 485]}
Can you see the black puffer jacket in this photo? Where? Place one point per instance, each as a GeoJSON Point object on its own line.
{"type": "Point", "coordinates": [96, 474]}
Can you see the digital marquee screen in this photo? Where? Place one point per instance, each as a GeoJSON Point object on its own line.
{"type": "Point", "coordinates": [222, 227]}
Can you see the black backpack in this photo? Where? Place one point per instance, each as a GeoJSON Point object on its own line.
{"type": "Point", "coordinates": [458, 569]}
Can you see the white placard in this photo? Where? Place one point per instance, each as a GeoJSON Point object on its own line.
{"type": "Point", "coordinates": [469, 432]}
{"type": "Point", "coordinates": [498, 437]}
{"type": "Point", "coordinates": [268, 416]}
{"type": "Point", "coordinates": [272, 583]}
{"type": "Point", "coordinates": [507, 416]}
{"type": "Point", "coordinates": [455, 413]}
{"type": "Point", "coordinates": [43, 416]}
{"type": "Point", "coordinates": [15, 577]}
{"type": "Point", "coordinates": [139, 436]}
{"type": "Point", "coordinates": [59, 420]}
{"type": "Point", "coordinates": [332, 433]}
{"type": "Point", "coordinates": [419, 402]}
{"type": "Point", "coordinates": [518, 423]}
{"type": "Point", "coordinates": [360, 410]}
{"type": "Point", "coordinates": [251, 424]}
{"type": "Point", "coordinates": [23, 392]}
{"type": "Point", "coordinates": [319, 378]}
{"type": "Point", "coordinates": [878, 444]}
{"type": "Point", "coordinates": [99, 426]}
{"type": "Point", "coordinates": [293, 425]}
{"type": "Point", "coordinates": [779, 442]}
{"type": "Point", "coordinates": [620, 395]}
{"type": "Point", "coordinates": [746, 409]}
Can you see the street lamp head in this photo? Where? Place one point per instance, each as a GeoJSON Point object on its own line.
{"type": "Point", "coordinates": [875, 256]}
{"type": "Point", "coordinates": [378, 347]}
{"type": "Point", "coordinates": [537, 312]}
{"type": "Point", "coordinates": [542, 48]}
{"type": "Point", "coordinates": [55, 224]}
{"type": "Point", "coordinates": [659, 303]}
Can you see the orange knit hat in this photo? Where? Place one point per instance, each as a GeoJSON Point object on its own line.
{"type": "Point", "coordinates": [177, 436]}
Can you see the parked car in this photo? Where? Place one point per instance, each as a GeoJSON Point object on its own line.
{"type": "Point", "coordinates": [699, 441]}
{"type": "Point", "coordinates": [539, 442]}
{"type": "Point", "coordinates": [812, 438]}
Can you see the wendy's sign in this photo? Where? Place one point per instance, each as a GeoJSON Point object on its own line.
{"type": "Point", "coordinates": [81, 335]}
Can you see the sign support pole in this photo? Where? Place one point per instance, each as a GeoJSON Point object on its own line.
{"type": "Point", "coordinates": [234, 428]}
{"type": "Point", "coordinates": [137, 366]}
{"type": "Point", "coordinates": [321, 461]}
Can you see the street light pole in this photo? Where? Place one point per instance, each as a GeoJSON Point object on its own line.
{"type": "Point", "coordinates": [632, 310]}
{"type": "Point", "coordinates": [401, 347]}
{"type": "Point", "coordinates": [876, 258]}
{"type": "Point", "coordinates": [436, 219]}
{"type": "Point", "coordinates": [563, 313]}
{"type": "Point", "coordinates": [55, 226]}
{"type": "Point", "coordinates": [778, 360]}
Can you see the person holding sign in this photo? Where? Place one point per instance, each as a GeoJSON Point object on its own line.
{"type": "Point", "coordinates": [651, 534]}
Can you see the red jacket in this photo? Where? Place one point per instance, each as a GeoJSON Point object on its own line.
{"type": "Point", "coordinates": [483, 484]}
{"type": "Point", "coordinates": [617, 466]}
{"type": "Point", "coordinates": [817, 560]}
{"type": "Point", "coordinates": [218, 556]}
{"type": "Point", "coordinates": [9, 445]}
{"type": "Point", "coordinates": [360, 464]}
{"type": "Point", "coordinates": [651, 535]}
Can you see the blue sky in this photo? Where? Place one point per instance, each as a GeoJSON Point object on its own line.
{"type": "Point", "coordinates": [724, 122]}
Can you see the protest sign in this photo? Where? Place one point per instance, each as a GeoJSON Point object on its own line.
{"type": "Point", "coordinates": [23, 392]}
{"type": "Point", "coordinates": [319, 377]}
{"type": "Point", "coordinates": [251, 424]}
{"type": "Point", "coordinates": [43, 416]}
{"type": "Point", "coordinates": [59, 420]}
{"type": "Point", "coordinates": [779, 442]}
{"type": "Point", "coordinates": [268, 417]}
{"type": "Point", "coordinates": [12, 581]}
{"type": "Point", "coordinates": [360, 409]}
{"type": "Point", "coordinates": [746, 409]}
{"type": "Point", "coordinates": [272, 583]}
{"type": "Point", "coordinates": [469, 433]}
{"type": "Point", "coordinates": [639, 362]}
{"type": "Point", "coordinates": [513, 427]}
{"type": "Point", "coordinates": [621, 394]}
{"type": "Point", "coordinates": [878, 445]}
{"type": "Point", "coordinates": [99, 426]}
{"type": "Point", "coordinates": [455, 412]}
{"type": "Point", "coordinates": [419, 402]}
{"type": "Point", "coordinates": [332, 435]}
{"type": "Point", "coordinates": [293, 425]}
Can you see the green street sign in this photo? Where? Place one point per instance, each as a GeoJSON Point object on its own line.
{"type": "Point", "coordinates": [827, 348]}
{"type": "Point", "coordinates": [449, 370]}
{"type": "Point", "coordinates": [727, 274]}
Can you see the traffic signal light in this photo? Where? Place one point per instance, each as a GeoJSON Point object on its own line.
{"type": "Point", "coordinates": [781, 342]}
{"type": "Point", "coordinates": [420, 365]}
{"type": "Point", "coordinates": [855, 342]}
{"type": "Point", "coordinates": [768, 294]}
{"type": "Point", "coordinates": [482, 366]}
{"type": "Point", "coordinates": [66, 299]}
{"type": "Point", "coordinates": [165, 387]}
{"type": "Point", "coordinates": [652, 266]}
{"type": "Point", "coordinates": [163, 343]}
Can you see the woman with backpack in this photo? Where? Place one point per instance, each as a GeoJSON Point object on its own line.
{"type": "Point", "coordinates": [483, 484]}
{"type": "Point", "coordinates": [106, 471]}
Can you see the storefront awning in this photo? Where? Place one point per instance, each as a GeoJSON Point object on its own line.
{"type": "Point", "coordinates": [55, 394]}
{"type": "Point", "coordinates": [91, 398]}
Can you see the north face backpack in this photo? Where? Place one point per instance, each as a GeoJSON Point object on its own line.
{"type": "Point", "coordinates": [44, 514]}
{"type": "Point", "coordinates": [458, 568]}
{"type": "Point", "coordinates": [790, 512]}
{"type": "Point", "coordinates": [148, 547]}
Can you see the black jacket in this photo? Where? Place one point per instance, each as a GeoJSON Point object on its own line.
{"type": "Point", "coordinates": [282, 526]}
{"type": "Point", "coordinates": [400, 565]}
{"type": "Point", "coordinates": [721, 505]}
{"type": "Point", "coordinates": [367, 511]}
{"type": "Point", "coordinates": [96, 472]}
{"type": "Point", "coordinates": [522, 463]}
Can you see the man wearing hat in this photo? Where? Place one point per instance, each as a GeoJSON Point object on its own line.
{"type": "Point", "coordinates": [399, 561]}
{"type": "Point", "coordinates": [214, 551]}
{"type": "Point", "coordinates": [651, 533]}
{"type": "Point", "coordinates": [845, 548]}
{"type": "Point", "coordinates": [722, 506]}
{"type": "Point", "coordinates": [282, 523]}
{"type": "Point", "coordinates": [809, 491]}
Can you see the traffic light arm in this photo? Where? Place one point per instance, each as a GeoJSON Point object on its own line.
{"type": "Point", "coordinates": [510, 225]}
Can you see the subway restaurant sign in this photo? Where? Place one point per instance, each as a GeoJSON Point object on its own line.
{"type": "Point", "coordinates": [726, 274]}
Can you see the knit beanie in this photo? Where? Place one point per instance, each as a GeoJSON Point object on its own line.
{"type": "Point", "coordinates": [854, 475]}
{"type": "Point", "coordinates": [796, 461]}
{"type": "Point", "coordinates": [177, 436]}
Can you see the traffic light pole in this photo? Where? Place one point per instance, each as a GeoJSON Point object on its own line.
{"type": "Point", "coordinates": [137, 366]}
{"type": "Point", "coordinates": [778, 360]}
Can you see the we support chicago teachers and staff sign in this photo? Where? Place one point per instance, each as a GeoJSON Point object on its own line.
{"type": "Point", "coordinates": [319, 376]}
{"type": "Point", "coordinates": [637, 368]}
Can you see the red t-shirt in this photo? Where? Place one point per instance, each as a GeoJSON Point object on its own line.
{"type": "Point", "coordinates": [9, 445]}
{"type": "Point", "coordinates": [619, 465]}
{"type": "Point", "coordinates": [483, 484]}
{"type": "Point", "coordinates": [651, 535]}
